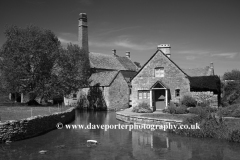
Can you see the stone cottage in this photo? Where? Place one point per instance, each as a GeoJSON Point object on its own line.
{"type": "Point", "coordinates": [109, 78]}
{"type": "Point", "coordinates": [161, 80]}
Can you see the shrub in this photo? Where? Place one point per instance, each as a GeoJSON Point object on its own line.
{"type": "Point", "coordinates": [230, 111]}
{"type": "Point", "coordinates": [181, 110]}
{"type": "Point", "coordinates": [142, 108]}
{"type": "Point", "coordinates": [188, 101]}
{"type": "Point", "coordinates": [199, 111]}
{"type": "Point", "coordinates": [234, 136]}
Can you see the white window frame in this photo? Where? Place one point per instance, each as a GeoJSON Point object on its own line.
{"type": "Point", "coordinates": [159, 72]}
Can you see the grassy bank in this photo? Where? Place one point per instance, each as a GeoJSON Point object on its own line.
{"type": "Point", "coordinates": [20, 112]}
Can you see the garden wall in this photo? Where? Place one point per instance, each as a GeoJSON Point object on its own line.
{"type": "Point", "coordinates": [33, 126]}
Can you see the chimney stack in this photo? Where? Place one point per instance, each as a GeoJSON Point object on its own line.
{"type": "Point", "coordinates": [114, 52]}
{"type": "Point", "coordinates": [83, 32]}
{"type": "Point", "coordinates": [211, 68]}
{"type": "Point", "coordinates": [127, 54]}
{"type": "Point", "coordinates": [165, 48]}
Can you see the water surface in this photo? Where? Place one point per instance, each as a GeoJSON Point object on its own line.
{"type": "Point", "coordinates": [117, 144]}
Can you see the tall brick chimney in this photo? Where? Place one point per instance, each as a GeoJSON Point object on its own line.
{"type": "Point", "coordinates": [83, 32]}
{"type": "Point", "coordinates": [165, 48]}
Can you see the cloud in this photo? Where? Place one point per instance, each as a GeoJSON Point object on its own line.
{"type": "Point", "coordinates": [226, 55]}
{"type": "Point", "coordinates": [190, 57]}
{"type": "Point", "coordinates": [200, 52]}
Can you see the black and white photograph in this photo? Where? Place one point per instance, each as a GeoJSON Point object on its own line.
{"type": "Point", "coordinates": [119, 79]}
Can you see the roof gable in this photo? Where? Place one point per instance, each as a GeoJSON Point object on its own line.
{"type": "Point", "coordinates": [166, 57]}
{"type": "Point", "coordinates": [103, 79]}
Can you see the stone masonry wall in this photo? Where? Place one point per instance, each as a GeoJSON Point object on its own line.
{"type": "Point", "coordinates": [118, 93]}
{"type": "Point", "coordinates": [174, 78]}
{"type": "Point", "coordinates": [34, 126]}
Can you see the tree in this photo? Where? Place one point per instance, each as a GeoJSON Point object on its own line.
{"type": "Point", "coordinates": [28, 58]}
{"type": "Point", "coordinates": [233, 75]}
{"type": "Point", "coordinates": [72, 70]}
{"type": "Point", "coordinates": [231, 88]}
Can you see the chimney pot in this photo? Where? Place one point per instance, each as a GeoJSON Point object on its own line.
{"type": "Point", "coordinates": [128, 54]}
{"type": "Point", "coordinates": [114, 52]}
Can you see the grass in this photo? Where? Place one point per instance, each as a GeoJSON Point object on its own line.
{"type": "Point", "coordinates": [169, 116]}
{"type": "Point", "coordinates": [21, 112]}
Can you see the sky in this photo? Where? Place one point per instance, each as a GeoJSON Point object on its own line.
{"type": "Point", "coordinates": [199, 31]}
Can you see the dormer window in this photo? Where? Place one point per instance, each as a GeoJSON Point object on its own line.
{"type": "Point", "coordinates": [159, 72]}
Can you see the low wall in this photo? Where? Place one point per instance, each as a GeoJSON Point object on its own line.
{"type": "Point", "coordinates": [145, 120]}
{"type": "Point", "coordinates": [33, 126]}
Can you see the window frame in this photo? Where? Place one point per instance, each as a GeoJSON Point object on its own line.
{"type": "Point", "coordinates": [143, 94]}
{"type": "Point", "coordinates": [159, 72]}
{"type": "Point", "coordinates": [177, 92]}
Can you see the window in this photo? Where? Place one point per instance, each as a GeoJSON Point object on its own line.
{"type": "Point", "coordinates": [74, 96]}
{"type": "Point", "coordinates": [159, 72]}
{"type": "Point", "coordinates": [143, 94]}
{"type": "Point", "coordinates": [177, 92]}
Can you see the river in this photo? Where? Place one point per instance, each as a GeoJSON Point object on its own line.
{"type": "Point", "coordinates": [116, 144]}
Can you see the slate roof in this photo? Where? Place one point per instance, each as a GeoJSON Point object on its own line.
{"type": "Point", "coordinates": [205, 83]}
{"type": "Point", "coordinates": [197, 71]}
{"type": "Point", "coordinates": [103, 79]}
{"type": "Point", "coordinates": [128, 75]}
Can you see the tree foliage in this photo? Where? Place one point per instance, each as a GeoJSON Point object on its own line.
{"type": "Point", "coordinates": [231, 88]}
{"type": "Point", "coordinates": [232, 75]}
{"type": "Point", "coordinates": [33, 61]}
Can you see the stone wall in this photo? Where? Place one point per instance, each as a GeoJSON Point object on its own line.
{"type": "Point", "coordinates": [118, 91]}
{"type": "Point", "coordinates": [206, 97]}
{"type": "Point", "coordinates": [33, 126]}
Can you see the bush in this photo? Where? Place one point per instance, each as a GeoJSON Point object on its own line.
{"type": "Point", "coordinates": [181, 110]}
{"type": "Point", "coordinates": [230, 111]}
{"type": "Point", "coordinates": [199, 111]}
{"type": "Point", "coordinates": [142, 108]}
{"type": "Point", "coordinates": [188, 101]}
{"type": "Point", "coordinates": [234, 136]}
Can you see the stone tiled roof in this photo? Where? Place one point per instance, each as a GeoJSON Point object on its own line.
{"type": "Point", "coordinates": [197, 71]}
{"type": "Point", "coordinates": [104, 61]}
{"type": "Point", "coordinates": [127, 63]}
{"type": "Point", "coordinates": [104, 78]}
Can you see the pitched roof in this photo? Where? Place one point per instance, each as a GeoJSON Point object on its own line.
{"type": "Point", "coordinates": [127, 63]}
{"type": "Point", "coordinates": [102, 78]}
{"type": "Point", "coordinates": [166, 57]}
{"type": "Point", "coordinates": [205, 83]}
{"type": "Point", "coordinates": [128, 75]}
{"type": "Point", "coordinates": [197, 71]}
{"type": "Point", "coordinates": [104, 61]}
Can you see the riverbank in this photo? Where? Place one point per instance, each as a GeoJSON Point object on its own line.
{"type": "Point", "coordinates": [226, 128]}
{"type": "Point", "coordinates": [143, 118]}
{"type": "Point", "coordinates": [15, 130]}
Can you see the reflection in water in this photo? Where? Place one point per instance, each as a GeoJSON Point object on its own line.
{"type": "Point", "coordinates": [117, 144]}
